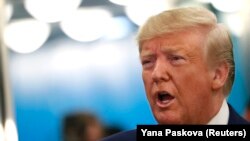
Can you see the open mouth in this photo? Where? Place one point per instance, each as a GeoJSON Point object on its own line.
{"type": "Point", "coordinates": [164, 98]}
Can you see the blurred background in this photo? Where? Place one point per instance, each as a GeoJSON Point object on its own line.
{"type": "Point", "coordinates": [68, 58]}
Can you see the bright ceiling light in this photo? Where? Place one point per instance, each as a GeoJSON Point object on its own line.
{"type": "Point", "coordinates": [51, 10]}
{"type": "Point", "coordinates": [9, 11]}
{"type": "Point", "coordinates": [228, 5]}
{"type": "Point", "coordinates": [10, 130]}
{"type": "Point", "coordinates": [139, 11]}
{"type": "Point", "coordinates": [86, 24]}
{"type": "Point", "coordinates": [235, 23]}
{"type": "Point", "coordinates": [2, 136]}
{"type": "Point", "coordinates": [26, 36]}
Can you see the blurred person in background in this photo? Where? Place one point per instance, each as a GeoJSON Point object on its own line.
{"type": "Point", "coordinates": [85, 126]}
{"type": "Point", "coordinates": [188, 69]}
{"type": "Point", "coordinates": [82, 127]}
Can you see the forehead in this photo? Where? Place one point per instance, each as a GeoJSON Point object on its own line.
{"type": "Point", "coordinates": [184, 40]}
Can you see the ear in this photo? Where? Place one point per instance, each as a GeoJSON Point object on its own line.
{"type": "Point", "coordinates": [220, 75]}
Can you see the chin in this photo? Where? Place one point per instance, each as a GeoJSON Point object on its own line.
{"type": "Point", "coordinates": [168, 119]}
{"type": "Point", "coordinates": [169, 122]}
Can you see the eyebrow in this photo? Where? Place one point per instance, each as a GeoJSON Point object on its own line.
{"type": "Point", "coordinates": [146, 53]}
{"type": "Point", "coordinates": [173, 49]}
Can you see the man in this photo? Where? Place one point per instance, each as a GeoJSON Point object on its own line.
{"type": "Point", "coordinates": [82, 127]}
{"type": "Point", "coordinates": [188, 69]}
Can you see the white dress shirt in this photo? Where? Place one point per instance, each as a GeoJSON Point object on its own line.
{"type": "Point", "coordinates": [222, 116]}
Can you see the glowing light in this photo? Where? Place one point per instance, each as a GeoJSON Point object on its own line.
{"type": "Point", "coordinates": [10, 131]}
{"type": "Point", "coordinates": [235, 22]}
{"type": "Point", "coordinates": [228, 5]}
{"type": "Point", "coordinates": [26, 36]}
{"type": "Point", "coordinates": [2, 137]}
{"type": "Point", "coordinates": [86, 24]}
{"type": "Point", "coordinates": [9, 11]}
{"type": "Point", "coordinates": [139, 11]}
{"type": "Point", "coordinates": [51, 10]}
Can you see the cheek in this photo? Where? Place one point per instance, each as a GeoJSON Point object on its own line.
{"type": "Point", "coordinates": [147, 80]}
{"type": "Point", "coordinates": [193, 85]}
{"type": "Point", "coordinates": [193, 76]}
{"type": "Point", "coordinates": [193, 96]}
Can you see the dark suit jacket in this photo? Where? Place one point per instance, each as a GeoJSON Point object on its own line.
{"type": "Point", "coordinates": [234, 118]}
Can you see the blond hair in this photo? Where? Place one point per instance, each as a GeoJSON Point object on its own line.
{"type": "Point", "coordinates": [218, 42]}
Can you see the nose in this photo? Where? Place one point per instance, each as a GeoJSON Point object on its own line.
{"type": "Point", "coordinates": [160, 72]}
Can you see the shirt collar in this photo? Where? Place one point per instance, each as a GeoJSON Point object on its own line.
{"type": "Point", "coordinates": [222, 116]}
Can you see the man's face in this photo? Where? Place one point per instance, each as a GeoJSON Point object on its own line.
{"type": "Point", "coordinates": [177, 78]}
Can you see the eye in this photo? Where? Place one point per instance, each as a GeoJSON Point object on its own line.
{"type": "Point", "coordinates": [176, 59]}
{"type": "Point", "coordinates": [144, 62]}
{"type": "Point", "coordinates": [147, 63]}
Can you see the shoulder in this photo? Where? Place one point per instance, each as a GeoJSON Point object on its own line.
{"type": "Point", "coordinates": [235, 118]}
{"type": "Point", "coordinates": [122, 136]}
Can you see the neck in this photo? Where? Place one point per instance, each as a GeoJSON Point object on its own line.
{"type": "Point", "coordinates": [217, 101]}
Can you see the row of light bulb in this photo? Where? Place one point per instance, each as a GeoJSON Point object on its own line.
{"type": "Point", "coordinates": [85, 24]}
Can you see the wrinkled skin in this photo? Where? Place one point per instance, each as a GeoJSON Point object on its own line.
{"type": "Point", "coordinates": [176, 64]}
